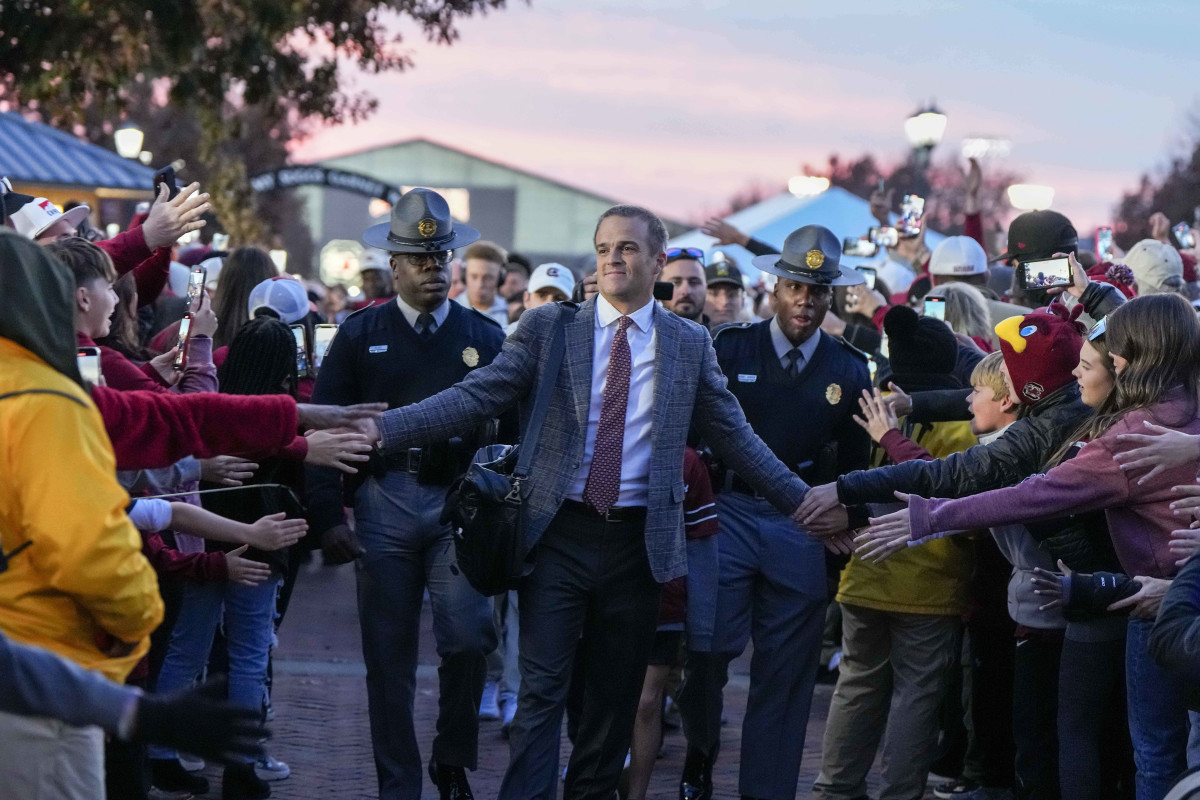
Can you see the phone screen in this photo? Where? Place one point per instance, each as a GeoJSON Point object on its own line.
{"type": "Point", "coordinates": [1047, 273]}
{"type": "Point", "coordinates": [1104, 241]}
{"type": "Point", "coordinates": [301, 350]}
{"type": "Point", "coordinates": [322, 338]}
{"type": "Point", "coordinates": [88, 359]}
{"type": "Point", "coordinates": [912, 209]}
{"type": "Point", "coordinates": [196, 286]}
{"type": "Point", "coordinates": [869, 274]}
{"type": "Point", "coordinates": [884, 237]}
{"type": "Point", "coordinates": [1183, 235]}
{"type": "Point", "coordinates": [863, 248]}
{"type": "Point", "coordinates": [185, 328]}
{"type": "Point", "coordinates": [935, 307]}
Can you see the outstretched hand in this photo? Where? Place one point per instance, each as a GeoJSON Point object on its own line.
{"type": "Point", "coordinates": [1160, 449]}
{"type": "Point", "coordinates": [170, 219]}
{"type": "Point", "coordinates": [360, 417]}
{"type": "Point", "coordinates": [887, 535]}
{"type": "Point", "coordinates": [1049, 586]}
{"type": "Point", "coordinates": [723, 232]}
{"type": "Point", "coordinates": [878, 417]}
{"type": "Point", "coordinates": [819, 501]}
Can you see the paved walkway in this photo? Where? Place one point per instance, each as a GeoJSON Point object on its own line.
{"type": "Point", "coordinates": [321, 727]}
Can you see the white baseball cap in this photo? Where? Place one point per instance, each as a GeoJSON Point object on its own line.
{"type": "Point", "coordinates": [958, 255]}
{"type": "Point", "coordinates": [32, 217]}
{"type": "Point", "coordinates": [284, 296]}
{"type": "Point", "coordinates": [552, 276]}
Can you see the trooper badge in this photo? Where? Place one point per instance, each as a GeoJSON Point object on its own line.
{"type": "Point", "coordinates": [471, 359]}
{"type": "Point", "coordinates": [814, 259]}
{"type": "Point", "coordinates": [427, 227]}
{"type": "Point", "coordinates": [833, 393]}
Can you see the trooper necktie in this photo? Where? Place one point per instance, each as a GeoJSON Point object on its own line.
{"type": "Point", "coordinates": [604, 477]}
{"type": "Point", "coordinates": [424, 325]}
{"type": "Point", "coordinates": [796, 360]}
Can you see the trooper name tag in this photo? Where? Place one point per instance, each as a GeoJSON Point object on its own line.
{"type": "Point", "coordinates": [377, 348]}
{"type": "Point", "coordinates": [747, 378]}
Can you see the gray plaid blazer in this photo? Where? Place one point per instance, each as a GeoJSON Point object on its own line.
{"type": "Point", "coordinates": [688, 386]}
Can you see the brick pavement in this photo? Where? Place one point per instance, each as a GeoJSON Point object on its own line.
{"type": "Point", "coordinates": [321, 728]}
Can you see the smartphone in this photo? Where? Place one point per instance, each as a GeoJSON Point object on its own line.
{"type": "Point", "coordinates": [884, 237]}
{"type": "Point", "coordinates": [663, 290]}
{"type": "Point", "coordinates": [185, 330]}
{"type": "Point", "coordinates": [1047, 272]}
{"type": "Point", "coordinates": [220, 241]}
{"type": "Point", "coordinates": [1104, 243]}
{"type": "Point", "coordinates": [301, 350]}
{"type": "Point", "coordinates": [196, 280]}
{"type": "Point", "coordinates": [864, 248]}
{"type": "Point", "coordinates": [322, 337]}
{"type": "Point", "coordinates": [912, 209]}
{"type": "Point", "coordinates": [166, 175]}
{"type": "Point", "coordinates": [935, 308]}
{"type": "Point", "coordinates": [88, 359]}
{"type": "Point", "coordinates": [869, 274]}
{"type": "Point", "coordinates": [1183, 235]}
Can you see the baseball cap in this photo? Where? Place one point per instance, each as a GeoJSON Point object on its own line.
{"type": "Point", "coordinates": [31, 216]}
{"type": "Point", "coordinates": [723, 269]}
{"type": "Point", "coordinates": [958, 255]}
{"type": "Point", "coordinates": [375, 260]}
{"type": "Point", "coordinates": [552, 276]}
{"type": "Point", "coordinates": [1040, 234]}
{"type": "Point", "coordinates": [1156, 267]}
{"type": "Point", "coordinates": [284, 296]}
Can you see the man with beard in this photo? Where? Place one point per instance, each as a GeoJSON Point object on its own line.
{"type": "Point", "coordinates": [685, 271]}
{"type": "Point", "coordinates": [726, 291]}
{"type": "Point", "coordinates": [772, 574]}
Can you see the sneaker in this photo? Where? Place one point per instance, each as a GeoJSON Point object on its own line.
{"type": "Point", "coordinates": [191, 763]}
{"type": "Point", "coordinates": [508, 710]}
{"type": "Point", "coordinates": [169, 776]}
{"type": "Point", "coordinates": [954, 789]}
{"type": "Point", "coordinates": [489, 708]}
{"type": "Point", "coordinates": [271, 769]}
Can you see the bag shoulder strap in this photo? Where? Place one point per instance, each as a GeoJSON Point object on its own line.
{"type": "Point", "coordinates": [43, 391]}
{"type": "Point", "coordinates": [545, 388]}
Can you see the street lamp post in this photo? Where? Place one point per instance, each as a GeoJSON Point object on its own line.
{"type": "Point", "coordinates": [128, 138]}
{"type": "Point", "coordinates": [924, 130]}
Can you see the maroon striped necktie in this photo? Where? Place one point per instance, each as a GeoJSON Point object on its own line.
{"type": "Point", "coordinates": [604, 476]}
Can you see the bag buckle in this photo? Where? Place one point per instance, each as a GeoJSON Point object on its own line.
{"type": "Point", "coordinates": [414, 460]}
{"type": "Point", "coordinates": [514, 493]}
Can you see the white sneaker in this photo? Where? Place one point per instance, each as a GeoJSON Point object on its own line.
{"type": "Point", "coordinates": [488, 707]}
{"type": "Point", "coordinates": [191, 763]}
{"type": "Point", "coordinates": [271, 769]}
{"type": "Point", "coordinates": [509, 710]}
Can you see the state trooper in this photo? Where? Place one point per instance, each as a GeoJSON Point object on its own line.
{"type": "Point", "coordinates": [400, 352]}
{"type": "Point", "coordinates": [799, 388]}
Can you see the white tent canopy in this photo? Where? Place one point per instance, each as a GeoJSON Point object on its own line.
{"type": "Point", "coordinates": [770, 221]}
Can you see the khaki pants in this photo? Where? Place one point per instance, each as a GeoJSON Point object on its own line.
{"type": "Point", "coordinates": [43, 759]}
{"type": "Point", "coordinates": [890, 686]}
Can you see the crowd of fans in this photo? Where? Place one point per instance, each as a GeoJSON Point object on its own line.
{"type": "Point", "coordinates": [1008, 563]}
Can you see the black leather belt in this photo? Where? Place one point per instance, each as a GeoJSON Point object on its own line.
{"type": "Point", "coordinates": [615, 514]}
{"type": "Point", "coordinates": [733, 483]}
{"type": "Point", "coordinates": [405, 461]}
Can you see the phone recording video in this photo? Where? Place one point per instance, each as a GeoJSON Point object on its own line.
{"type": "Point", "coordinates": [1104, 243]}
{"type": "Point", "coordinates": [185, 330]}
{"type": "Point", "coordinates": [869, 274]}
{"type": "Point", "coordinates": [912, 210]}
{"type": "Point", "coordinates": [88, 359]}
{"type": "Point", "coordinates": [196, 280]}
{"type": "Point", "coordinates": [864, 248]}
{"type": "Point", "coordinates": [301, 350]}
{"type": "Point", "coordinates": [1047, 273]}
{"type": "Point", "coordinates": [884, 237]}
{"type": "Point", "coordinates": [935, 308]}
{"type": "Point", "coordinates": [1184, 235]}
{"type": "Point", "coordinates": [322, 337]}
{"type": "Point", "coordinates": [166, 175]}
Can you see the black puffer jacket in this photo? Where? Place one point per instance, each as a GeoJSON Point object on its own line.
{"type": "Point", "coordinates": [1023, 450]}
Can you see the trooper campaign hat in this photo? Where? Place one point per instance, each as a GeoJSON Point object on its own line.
{"type": "Point", "coordinates": [421, 223]}
{"type": "Point", "coordinates": [811, 254]}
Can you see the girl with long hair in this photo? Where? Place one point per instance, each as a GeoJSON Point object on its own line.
{"type": "Point", "coordinates": [244, 269]}
{"type": "Point", "coordinates": [1154, 343]}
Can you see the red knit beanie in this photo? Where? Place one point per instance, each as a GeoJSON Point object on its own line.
{"type": "Point", "coordinates": [1041, 349]}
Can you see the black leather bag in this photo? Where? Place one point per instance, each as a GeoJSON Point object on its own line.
{"type": "Point", "coordinates": [484, 505]}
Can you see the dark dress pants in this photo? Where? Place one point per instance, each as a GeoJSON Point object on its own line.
{"type": "Point", "coordinates": [591, 581]}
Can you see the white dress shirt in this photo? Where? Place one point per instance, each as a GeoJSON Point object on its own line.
{"type": "Point", "coordinates": [635, 456]}
{"type": "Point", "coordinates": [439, 314]}
{"type": "Point", "coordinates": [783, 346]}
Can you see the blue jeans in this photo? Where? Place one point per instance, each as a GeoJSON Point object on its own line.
{"type": "Point", "coordinates": [407, 552]}
{"type": "Point", "coordinates": [249, 624]}
{"type": "Point", "coordinates": [1158, 718]}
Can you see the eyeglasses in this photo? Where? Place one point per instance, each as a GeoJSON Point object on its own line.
{"type": "Point", "coordinates": [675, 253]}
{"type": "Point", "coordinates": [1098, 330]}
{"type": "Point", "coordinates": [423, 260]}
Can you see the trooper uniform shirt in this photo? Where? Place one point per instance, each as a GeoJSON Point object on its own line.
{"type": "Point", "coordinates": [378, 356]}
{"type": "Point", "coordinates": [798, 415]}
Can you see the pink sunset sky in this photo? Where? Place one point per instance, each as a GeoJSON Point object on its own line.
{"type": "Point", "coordinates": [678, 104]}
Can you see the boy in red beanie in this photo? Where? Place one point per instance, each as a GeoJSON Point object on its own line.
{"type": "Point", "coordinates": [1040, 351]}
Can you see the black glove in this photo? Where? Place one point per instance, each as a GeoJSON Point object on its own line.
{"type": "Point", "coordinates": [1091, 594]}
{"type": "Point", "coordinates": [198, 721]}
